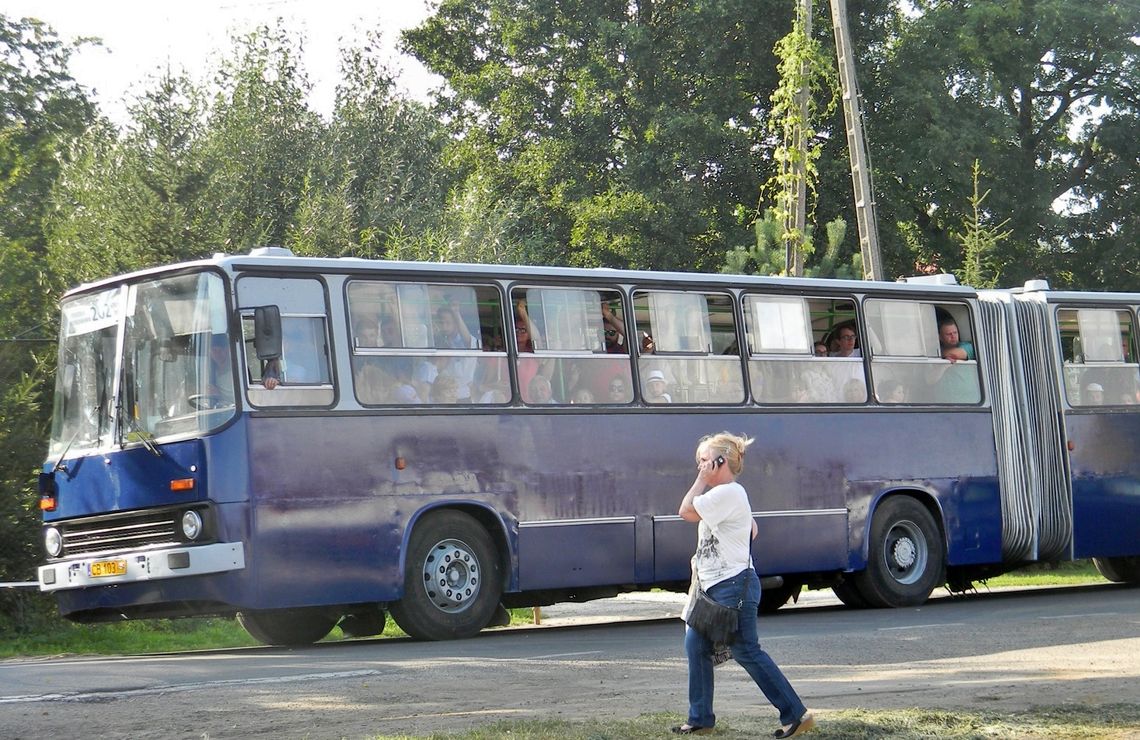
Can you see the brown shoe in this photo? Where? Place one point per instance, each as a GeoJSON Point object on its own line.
{"type": "Point", "coordinates": [799, 727]}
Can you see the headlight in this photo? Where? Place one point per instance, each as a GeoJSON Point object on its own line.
{"type": "Point", "coordinates": [191, 525]}
{"type": "Point", "coordinates": [53, 542]}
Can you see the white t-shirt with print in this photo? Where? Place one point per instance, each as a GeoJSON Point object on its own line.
{"type": "Point", "coordinates": [724, 534]}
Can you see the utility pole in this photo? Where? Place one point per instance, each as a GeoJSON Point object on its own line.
{"type": "Point", "coordinates": [796, 218]}
{"type": "Point", "coordinates": [857, 146]}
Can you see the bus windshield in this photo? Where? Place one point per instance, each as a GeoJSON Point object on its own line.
{"type": "Point", "coordinates": [172, 376]}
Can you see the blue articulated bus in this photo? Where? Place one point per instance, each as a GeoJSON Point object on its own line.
{"type": "Point", "coordinates": [308, 443]}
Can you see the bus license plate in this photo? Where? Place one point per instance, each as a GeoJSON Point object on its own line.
{"type": "Point", "coordinates": [102, 568]}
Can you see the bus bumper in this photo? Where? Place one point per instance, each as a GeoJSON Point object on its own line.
{"type": "Point", "coordinates": [153, 565]}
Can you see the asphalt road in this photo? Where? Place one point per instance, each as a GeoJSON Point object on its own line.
{"type": "Point", "coordinates": [617, 659]}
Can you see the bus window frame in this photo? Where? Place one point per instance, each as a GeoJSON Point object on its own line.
{"type": "Point", "coordinates": [963, 315]}
{"type": "Point", "coordinates": [429, 353]}
{"type": "Point", "coordinates": [1071, 399]}
{"type": "Point", "coordinates": [541, 354]}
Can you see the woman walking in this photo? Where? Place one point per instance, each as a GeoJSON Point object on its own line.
{"type": "Point", "coordinates": [722, 566]}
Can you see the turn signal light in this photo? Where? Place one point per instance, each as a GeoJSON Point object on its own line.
{"type": "Point", "coordinates": [182, 484]}
{"type": "Point", "coordinates": [47, 503]}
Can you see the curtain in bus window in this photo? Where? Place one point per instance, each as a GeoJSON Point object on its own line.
{"type": "Point", "coordinates": [566, 319]}
{"type": "Point", "coordinates": [779, 325]}
{"type": "Point", "coordinates": [680, 322]}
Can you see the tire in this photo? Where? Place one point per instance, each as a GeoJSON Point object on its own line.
{"type": "Point", "coordinates": [772, 599]}
{"type": "Point", "coordinates": [287, 626]}
{"type": "Point", "coordinates": [846, 591]}
{"type": "Point", "coordinates": [906, 558]}
{"type": "Point", "coordinates": [452, 579]}
{"type": "Point", "coordinates": [1119, 570]}
{"type": "Point", "coordinates": [363, 623]}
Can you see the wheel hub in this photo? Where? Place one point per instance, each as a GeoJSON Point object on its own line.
{"type": "Point", "coordinates": [905, 553]}
{"type": "Point", "coordinates": [451, 576]}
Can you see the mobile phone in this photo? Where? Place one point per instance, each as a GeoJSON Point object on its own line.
{"type": "Point", "coordinates": [718, 461]}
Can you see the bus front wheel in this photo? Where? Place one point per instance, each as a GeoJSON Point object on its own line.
{"type": "Point", "coordinates": [906, 559]}
{"type": "Point", "coordinates": [452, 579]}
{"type": "Point", "coordinates": [1119, 570]}
{"type": "Point", "coordinates": [287, 626]}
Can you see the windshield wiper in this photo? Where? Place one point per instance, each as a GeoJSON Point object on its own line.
{"type": "Point", "coordinates": [137, 433]}
{"type": "Point", "coordinates": [59, 466]}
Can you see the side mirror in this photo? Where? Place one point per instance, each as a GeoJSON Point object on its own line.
{"type": "Point", "coordinates": [267, 332]}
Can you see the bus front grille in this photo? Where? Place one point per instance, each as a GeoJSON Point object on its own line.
{"type": "Point", "coordinates": [125, 532]}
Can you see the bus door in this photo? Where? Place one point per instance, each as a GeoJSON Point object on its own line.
{"type": "Point", "coordinates": [1101, 385]}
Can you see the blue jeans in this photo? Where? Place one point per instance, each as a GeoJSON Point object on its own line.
{"type": "Point", "coordinates": [746, 651]}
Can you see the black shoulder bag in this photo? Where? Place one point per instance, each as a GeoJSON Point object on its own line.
{"type": "Point", "coordinates": [715, 621]}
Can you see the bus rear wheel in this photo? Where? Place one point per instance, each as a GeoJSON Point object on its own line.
{"type": "Point", "coordinates": [287, 626]}
{"type": "Point", "coordinates": [845, 590]}
{"type": "Point", "coordinates": [773, 598]}
{"type": "Point", "coordinates": [1119, 570]}
{"type": "Point", "coordinates": [906, 558]}
{"type": "Point", "coordinates": [452, 579]}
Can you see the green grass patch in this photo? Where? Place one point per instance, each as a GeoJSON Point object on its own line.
{"type": "Point", "coordinates": [56, 636]}
{"type": "Point", "coordinates": [1109, 722]}
{"type": "Point", "coordinates": [1070, 573]}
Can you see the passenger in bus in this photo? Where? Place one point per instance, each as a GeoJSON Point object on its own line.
{"type": "Point", "coordinates": [366, 333]}
{"type": "Point", "coordinates": [538, 391]}
{"type": "Point", "coordinates": [371, 381]}
{"type": "Point", "coordinates": [723, 569]}
{"type": "Point", "coordinates": [618, 390]}
{"type": "Point", "coordinates": [526, 334]}
{"type": "Point", "coordinates": [614, 331]}
{"type": "Point", "coordinates": [655, 385]}
{"type": "Point", "coordinates": [390, 332]}
{"type": "Point", "coordinates": [582, 396]}
{"type": "Point", "coordinates": [445, 390]}
{"type": "Point", "coordinates": [452, 333]}
{"type": "Point", "coordinates": [403, 390]}
{"type": "Point", "coordinates": [526, 337]}
{"type": "Point", "coordinates": [1093, 395]}
{"type": "Point", "coordinates": [953, 347]}
{"type": "Point", "coordinates": [891, 391]}
{"type": "Point", "coordinates": [271, 374]}
{"type": "Point", "coordinates": [854, 391]}
{"type": "Point", "coordinates": [847, 342]}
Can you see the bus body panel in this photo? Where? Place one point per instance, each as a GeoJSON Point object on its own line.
{"type": "Point", "coordinates": [123, 480]}
{"type": "Point", "coordinates": [1106, 483]}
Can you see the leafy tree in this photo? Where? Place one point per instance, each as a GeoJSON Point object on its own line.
{"type": "Point", "coordinates": [980, 241]}
{"type": "Point", "coordinates": [617, 133]}
{"type": "Point", "coordinates": [768, 256]}
{"type": "Point", "coordinates": [379, 177]}
{"type": "Point", "coordinates": [1022, 86]}
{"type": "Point", "coordinates": [259, 142]}
{"type": "Point", "coordinates": [135, 200]}
{"type": "Point", "coordinates": [41, 109]}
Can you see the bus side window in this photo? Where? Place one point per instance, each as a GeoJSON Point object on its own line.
{"type": "Point", "coordinates": [420, 343]}
{"type": "Point", "coordinates": [1098, 351]}
{"type": "Point", "coordinates": [695, 355]}
{"type": "Point", "coordinates": [572, 346]}
{"type": "Point", "coordinates": [783, 365]}
{"type": "Point", "coordinates": [907, 352]}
